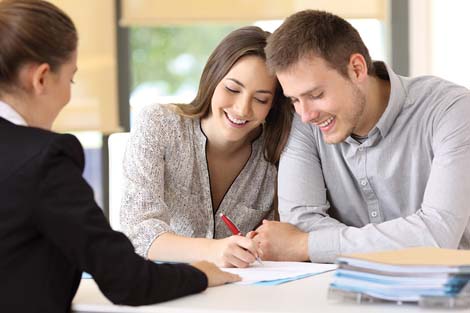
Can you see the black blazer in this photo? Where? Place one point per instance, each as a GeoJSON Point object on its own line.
{"type": "Point", "coordinates": [51, 230]}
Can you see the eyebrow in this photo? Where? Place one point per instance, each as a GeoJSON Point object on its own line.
{"type": "Point", "coordinates": [236, 81]}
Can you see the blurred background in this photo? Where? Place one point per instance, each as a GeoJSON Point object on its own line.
{"type": "Point", "coordinates": [135, 52]}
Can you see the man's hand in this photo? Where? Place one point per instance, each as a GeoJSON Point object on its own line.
{"type": "Point", "coordinates": [281, 241]}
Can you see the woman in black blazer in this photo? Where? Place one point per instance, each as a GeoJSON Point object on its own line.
{"type": "Point", "coordinates": [51, 229]}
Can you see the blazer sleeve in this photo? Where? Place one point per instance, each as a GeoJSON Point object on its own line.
{"type": "Point", "coordinates": [69, 217]}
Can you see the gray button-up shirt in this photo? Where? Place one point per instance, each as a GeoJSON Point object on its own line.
{"type": "Point", "coordinates": [407, 185]}
{"type": "Point", "coordinates": [167, 186]}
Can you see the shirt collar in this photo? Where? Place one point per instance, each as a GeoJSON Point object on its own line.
{"type": "Point", "coordinates": [395, 104]}
{"type": "Point", "coordinates": [8, 113]}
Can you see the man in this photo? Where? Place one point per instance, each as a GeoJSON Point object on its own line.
{"type": "Point", "coordinates": [375, 161]}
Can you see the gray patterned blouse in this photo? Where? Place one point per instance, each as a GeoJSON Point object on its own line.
{"type": "Point", "coordinates": [166, 183]}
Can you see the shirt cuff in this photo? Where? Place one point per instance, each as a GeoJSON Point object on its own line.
{"type": "Point", "coordinates": [324, 245]}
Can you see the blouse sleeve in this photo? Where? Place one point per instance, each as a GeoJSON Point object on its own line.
{"type": "Point", "coordinates": [144, 213]}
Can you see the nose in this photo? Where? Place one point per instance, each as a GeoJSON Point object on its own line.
{"type": "Point", "coordinates": [306, 112]}
{"type": "Point", "coordinates": [242, 107]}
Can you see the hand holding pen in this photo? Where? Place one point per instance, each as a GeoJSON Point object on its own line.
{"type": "Point", "coordinates": [235, 231]}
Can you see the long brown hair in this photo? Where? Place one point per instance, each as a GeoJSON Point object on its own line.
{"type": "Point", "coordinates": [33, 31]}
{"type": "Point", "coordinates": [249, 40]}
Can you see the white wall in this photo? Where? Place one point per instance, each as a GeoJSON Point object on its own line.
{"type": "Point", "coordinates": [439, 44]}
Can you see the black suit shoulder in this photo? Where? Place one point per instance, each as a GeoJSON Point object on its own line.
{"type": "Point", "coordinates": [22, 145]}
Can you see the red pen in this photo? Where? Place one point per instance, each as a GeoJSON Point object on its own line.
{"type": "Point", "coordinates": [231, 226]}
{"type": "Point", "coordinates": [234, 229]}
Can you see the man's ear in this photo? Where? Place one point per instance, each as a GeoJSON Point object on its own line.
{"type": "Point", "coordinates": [40, 76]}
{"type": "Point", "coordinates": [357, 67]}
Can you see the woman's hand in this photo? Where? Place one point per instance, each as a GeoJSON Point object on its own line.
{"type": "Point", "coordinates": [234, 251]}
{"type": "Point", "coordinates": [215, 276]}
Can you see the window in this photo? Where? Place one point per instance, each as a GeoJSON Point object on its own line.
{"type": "Point", "coordinates": [92, 143]}
{"type": "Point", "coordinates": [167, 61]}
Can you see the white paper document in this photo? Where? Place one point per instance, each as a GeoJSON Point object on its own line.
{"type": "Point", "coordinates": [274, 273]}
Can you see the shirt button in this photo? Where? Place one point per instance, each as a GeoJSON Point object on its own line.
{"type": "Point", "coordinates": [373, 213]}
{"type": "Point", "coordinates": [363, 182]}
{"type": "Point", "coordinates": [361, 149]}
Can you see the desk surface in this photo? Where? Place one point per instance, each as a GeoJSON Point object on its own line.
{"type": "Point", "coordinates": [305, 295]}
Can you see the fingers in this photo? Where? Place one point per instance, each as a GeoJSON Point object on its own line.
{"type": "Point", "coordinates": [215, 276]}
{"type": "Point", "coordinates": [252, 234]}
{"type": "Point", "coordinates": [231, 278]}
{"type": "Point", "coordinates": [233, 260]}
{"type": "Point", "coordinates": [247, 244]}
{"type": "Point", "coordinates": [237, 251]}
{"type": "Point", "coordinates": [268, 223]}
{"type": "Point", "coordinates": [226, 277]}
{"type": "Point", "coordinates": [261, 225]}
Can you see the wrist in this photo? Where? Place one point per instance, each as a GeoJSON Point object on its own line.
{"type": "Point", "coordinates": [211, 251]}
{"type": "Point", "coordinates": [302, 246]}
{"type": "Point", "coordinates": [206, 253]}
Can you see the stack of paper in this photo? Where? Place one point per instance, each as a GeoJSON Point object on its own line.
{"type": "Point", "coordinates": [404, 275]}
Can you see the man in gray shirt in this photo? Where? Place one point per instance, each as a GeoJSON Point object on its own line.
{"type": "Point", "coordinates": [375, 161]}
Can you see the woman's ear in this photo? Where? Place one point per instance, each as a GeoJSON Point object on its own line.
{"type": "Point", "coordinates": [40, 74]}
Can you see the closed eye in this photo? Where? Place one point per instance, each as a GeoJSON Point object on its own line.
{"type": "Point", "coordinates": [316, 97]}
{"type": "Point", "coordinates": [261, 101]}
{"type": "Point", "coordinates": [231, 90]}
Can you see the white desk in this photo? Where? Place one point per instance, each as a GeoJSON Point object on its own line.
{"type": "Point", "coordinates": [306, 295]}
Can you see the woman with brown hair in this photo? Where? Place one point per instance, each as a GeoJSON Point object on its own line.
{"type": "Point", "coordinates": [51, 229]}
{"type": "Point", "coordinates": [185, 164]}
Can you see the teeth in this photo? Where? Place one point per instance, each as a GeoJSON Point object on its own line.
{"type": "Point", "coordinates": [235, 120]}
{"type": "Point", "coordinates": [327, 122]}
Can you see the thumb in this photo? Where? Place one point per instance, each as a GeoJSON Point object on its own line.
{"type": "Point", "coordinates": [251, 234]}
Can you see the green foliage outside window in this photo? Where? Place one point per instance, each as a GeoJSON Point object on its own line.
{"type": "Point", "coordinates": [172, 58]}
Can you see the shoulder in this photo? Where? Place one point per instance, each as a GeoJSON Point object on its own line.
{"type": "Point", "coordinates": [66, 145]}
{"type": "Point", "coordinates": [31, 140]}
{"type": "Point", "coordinates": [60, 147]}
{"type": "Point", "coordinates": [444, 106]}
{"type": "Point", "coordinates": [303, 135]}
{"type": "Point", "coordinates": [160, 118]}
{"type": "Point", "coordinates": [299, 127]}
{"type": "Point", "coordinates": [29, 145]}
{"type": "Point", "coordinates": [436, 100]}
{"type": "Point", "coordinates": [436, 92]}
{"type": "Point", "coordinates": [159, 124]}
{"type": "Point", "coordinates": [157, 114]}
{"type": "Point", "coordinates": [261, 165]}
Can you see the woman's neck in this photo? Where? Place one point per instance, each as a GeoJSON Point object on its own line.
{"type": "Point", "coordinates": [219, 145]}
{"type": "Point", "coordinates": [17, 103]}
{"type": "Point", "coordinates": [25, 108]}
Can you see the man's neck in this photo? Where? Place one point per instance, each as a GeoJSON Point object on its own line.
{"type": "Point", "coordinates": [377, 96]}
